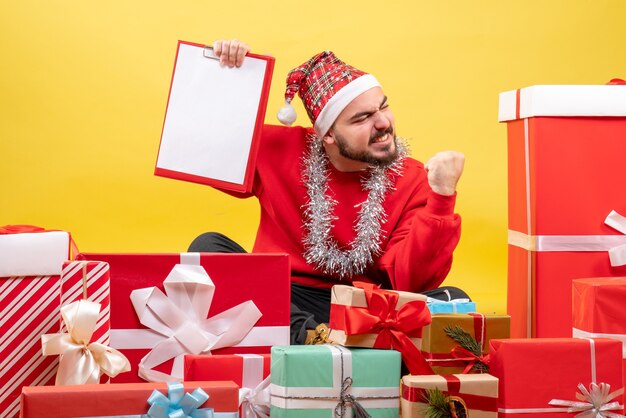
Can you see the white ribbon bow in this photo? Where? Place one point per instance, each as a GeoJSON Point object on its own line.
{"type": "Point", "coordinates": [255, 403]}
{"type": "Point", "coordinates": [617, 255]}
{"type": "Point", "coordinates": [181, 317]}
{"type": "Point", "coordinates": [82, 362]}
{"type": "Point", "coordinates": [594, 403]}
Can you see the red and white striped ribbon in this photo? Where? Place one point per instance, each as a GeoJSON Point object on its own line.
{"type": "Point", "coordinates": [88, 280]}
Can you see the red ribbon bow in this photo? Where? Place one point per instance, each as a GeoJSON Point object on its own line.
{"type": "Point", "coordinates": [19, 229]}
{"type": "Point", "coordinates": [394, 327]}
{"type": "Point", "coordinates": [463, 354]}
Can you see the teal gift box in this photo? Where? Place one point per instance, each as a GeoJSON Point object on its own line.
{"type": "Point", "coordinates": [328, 381]}
{"type": "Point", "coordinates": [454, 306]}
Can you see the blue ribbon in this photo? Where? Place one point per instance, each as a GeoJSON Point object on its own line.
{"type": "Point", "coordinates": [178, 404]}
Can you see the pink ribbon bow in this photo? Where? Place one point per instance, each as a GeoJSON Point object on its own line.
{"type": "Point", "coordinates": [181, 318]}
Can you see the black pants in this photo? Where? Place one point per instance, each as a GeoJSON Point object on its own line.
{"type": "Point", "coordinates": [310, 306]}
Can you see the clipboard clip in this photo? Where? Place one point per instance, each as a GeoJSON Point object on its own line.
{"type": "Point", "coordinates": [208, 53]}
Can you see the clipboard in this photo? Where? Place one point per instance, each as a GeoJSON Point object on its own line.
{"type": "Point", "coordinates": [213, 119]}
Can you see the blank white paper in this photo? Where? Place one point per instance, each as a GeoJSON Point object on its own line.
{"type": "Point", "coordinates": [211, 115]}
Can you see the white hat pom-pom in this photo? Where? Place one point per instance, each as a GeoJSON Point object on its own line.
{"type": "Point", "coordinates": [287, 114]}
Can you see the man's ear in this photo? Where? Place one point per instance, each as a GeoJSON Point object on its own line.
{"type": "Point", "coordinates": [329, 138]}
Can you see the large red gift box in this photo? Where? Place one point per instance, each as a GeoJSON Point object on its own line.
{"type": "Point", "coordinates": [116, 400]}
{"type": "Point", "coordinates": [598, 310]}
{"type": "Point", "coordinates": [261, 278]}
{"type": "Point", "coordinates": [534, 372]}
{"type": "Point", "coordinates": [249, 371]}
{"type": "Point", "coordinates": [565, 170]}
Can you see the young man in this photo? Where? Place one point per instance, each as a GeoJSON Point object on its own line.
{"type": "Point", "coordinates": [343, 199]}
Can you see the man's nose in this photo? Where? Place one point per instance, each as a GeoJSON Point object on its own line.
{"type": "Point", "coordinates": [382, 122]}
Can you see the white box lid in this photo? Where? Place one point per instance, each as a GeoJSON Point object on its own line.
{"type": "Point", "coordinates": [33, 254]}
{"type": "Point", "coordinates": [563, 100]}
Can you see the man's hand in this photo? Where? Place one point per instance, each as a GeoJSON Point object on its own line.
{"type": "Point", "coordinates": [230, 52]}
{"type": "Point", "coordinates": [444, 170]}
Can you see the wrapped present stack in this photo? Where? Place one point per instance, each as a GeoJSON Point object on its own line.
{"type": "Point", "coordinates": [564, 226]}
{"type": "Point", "coordinates": [199, 335]}
{"type": "Point", "coordinates": [565, 169]}
{"type": "Point", "coordinates": [37, 286]}
{"type": "Point", "coordinates": [122, 321]}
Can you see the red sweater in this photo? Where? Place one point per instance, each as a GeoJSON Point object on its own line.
{"type": "Point", "coordinates": [419, 235]}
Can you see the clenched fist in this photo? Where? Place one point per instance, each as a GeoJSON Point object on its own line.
{"type": "Point", "coordinates": [444, 170]}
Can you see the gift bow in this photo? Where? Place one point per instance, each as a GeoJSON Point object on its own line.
{"type": "Point", "coordinates": [593, 403]}
{"type": "Point", "coordinates": [347, 400]}
{"type": "Point", "coordinates": [20, 229]}
{"type": "Point", "coordinates": [181, 317]}
{"type": "Point", "coordinates": [466, 355]}
{"type": "Point", "coordinates": [255, 403]}
{"type": "Point", "coordinates": [394, 327]}
{"type": "Point", "coordinates": [82, 362]}
{"type": "Point", "coordinates": [178, 404]}
{"type": "Point", "coordinates": [617, 255]}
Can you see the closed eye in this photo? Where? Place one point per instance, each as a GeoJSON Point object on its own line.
{"type": "Point", "coordinates": [362, 116]}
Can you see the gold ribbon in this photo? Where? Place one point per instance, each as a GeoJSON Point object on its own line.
{"type": "Point", "coordinates": [593, 403]}
{"type": "Point", "coordinates": [82, 362]}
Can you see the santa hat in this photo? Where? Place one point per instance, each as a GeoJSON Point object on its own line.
{"type": "Point", "coordinates": [326, 86]}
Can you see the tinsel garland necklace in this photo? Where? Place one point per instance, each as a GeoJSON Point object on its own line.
{"type": "Point", "coordinates": [319, 248]}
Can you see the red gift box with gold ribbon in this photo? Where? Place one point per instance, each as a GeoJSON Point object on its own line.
{"type": "Point", "coordinates": [366, 316]}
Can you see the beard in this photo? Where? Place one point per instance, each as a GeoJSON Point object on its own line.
{"type": "Point", "coordinates": [391, 150]}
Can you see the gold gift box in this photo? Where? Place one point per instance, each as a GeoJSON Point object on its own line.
{"type": "Point", "coordinates": [477, 393]}
{"type": "Point", "coordinates": [437, 346]}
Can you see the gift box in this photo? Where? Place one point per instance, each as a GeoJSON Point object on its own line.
{"type": "Point", "coordinates": [598, 310]}
{"type": "Point", "coordinates": [446, 355]}
{"type": "Point", "coordinates": [473, 395]}
{"type": "Point", "coordinates": [27, 250]}
{"type": "Point", "coordinates": [453, 306]}
{"type": "Point", "coordinates": [126, 399]}
{"type": "Point", "coordinates": [31, 260]}
{"type": "Point", "coordinates": [238, 282]}
{"type": "Point", "coordinates": [564, 170]}
{"type": "Point", "coordinates": [548, 375]}
{"type": "Point", "coordinates": [366, 316]}
{"type": "Point", "coordinates": [88, 280]}
{"type": "Point", "coordinates": [249, 371]}
{"type": "Point", "coordinates": [329, 380]}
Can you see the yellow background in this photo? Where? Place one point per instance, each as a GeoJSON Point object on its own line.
{"type": "Point", "coordinates": [84, 84]}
